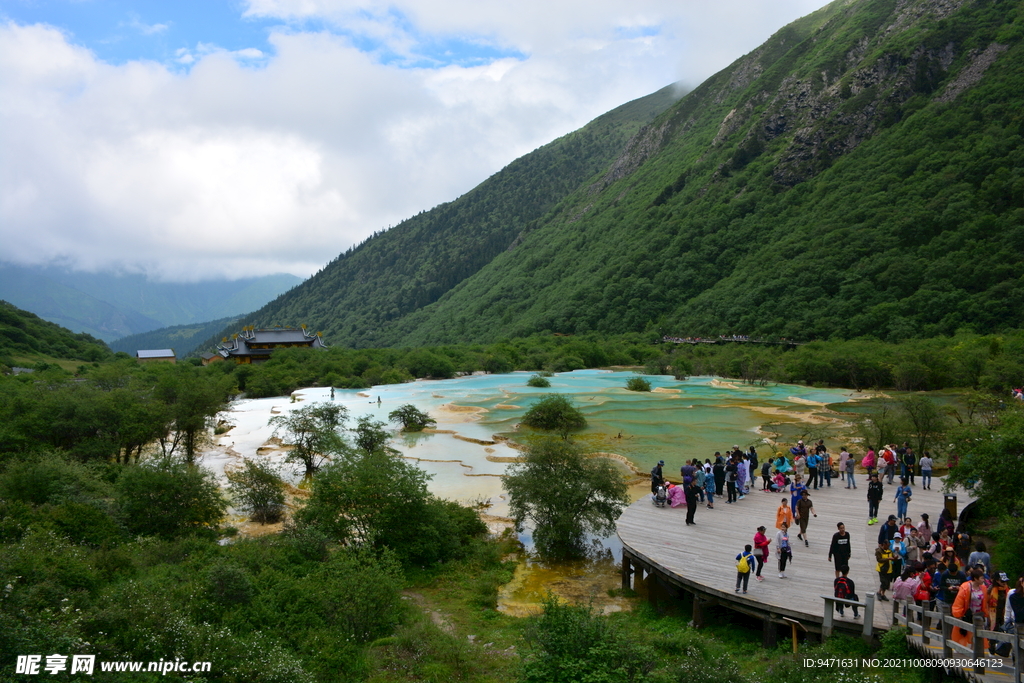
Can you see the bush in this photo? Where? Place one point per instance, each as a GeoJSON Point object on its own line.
{"type": "Point", "coordinates": [412, 418]}
{"type": "Point", "coordinates": [571, 643]}
{"type": "Point", "coordinates": [168, 498]}
{"type": "Point", "coordinates": [555, 413]}
{"type": "Point", "coordinates": [259, 489]}
{"type": "Point", "coordinates": [638, 384]}
{"type": "Point", "coordinates": [538, 381]}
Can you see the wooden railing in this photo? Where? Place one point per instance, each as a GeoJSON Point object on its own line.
{"type": "Point", "coordinates": [936, 628]}
{"type": "Point", "coordinates": [828, 623]}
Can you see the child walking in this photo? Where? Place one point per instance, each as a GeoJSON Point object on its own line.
{"type": "Point", "coordinates": [744, 562]}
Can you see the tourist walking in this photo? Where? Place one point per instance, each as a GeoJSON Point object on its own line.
{"type": "Point", "coordinates": [761, 550]}
{"type": "Point", "coordinates": [709, 490]}
{"type": "Point", "coordinates": [844, 588]}
{"type": "Point", "coordinates": [970, 596]}
{"type": "Point", "coordinates": [841, 549]}
{"type": "Point", "coordinates": [804, 510]}
{"type": "Point", "coordinates": [699, 477]}
{"type": "Point", "coordinates": [730, 480]}
{"type": "Point", "coordinates": [909, 460]}
{"type": "Point", "coordinates": [883, 565]}
{"type": "Point", "coordinates": [844, 456]}
{"type": "Point", "coordinates": [744, 563]}
{"type": "Point", "coordinates": [784, 515]}
{"type": "Point", "coordinates": [766, 473]}
{"type": "Point", "coordinates": [902, 498]}
{"type": "Point", "coordinates": [875, 492]}
{"type": "Point", "coordinates": [848, 467]}
{"type": "Point", "coordinates": [690, 491]}
{"type": "Point", "coordinates": [795, 489]}
{"type": "Point", "coordinates": [718, 471]}
{"type": "Point", "coordinates": [813, 460]}
{"type": "Point", "coordinates": [783, 549]}
{"type": "Point", "coordinates": [926, 464]}
{"type": "Point", "coordinates": [870, 461]}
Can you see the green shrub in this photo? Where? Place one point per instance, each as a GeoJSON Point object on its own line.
{"type": "Point", "coordinates": [638, 384]}
{"type": "Point", "coordinates": [258, 489]}
{"type": "Point", "coordinates": [168, 498]}
{"type": "Point", "coordinates": [555, 413]}
{"type": "Point", "coordinates": [538, 381]}
{"type": "Point", "coordinates": [570, 643]}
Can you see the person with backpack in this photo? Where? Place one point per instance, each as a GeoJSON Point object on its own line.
{"type": "Point", "coordinates": [875, 492]}
{"type": "Point", "coordinates": [761, 545]}
{"type": "Point", "coordinates": [744, 562]}
{"type": "Point", "coordinates": [843, 587]}
{"type": "Point", "coordinates": [731, 478]}
{"type": "Point", "coordinates": [889, 458]}
{"type": "Point", "coordinates": [841, 549]}
{"type": "Point", "coordinates": [795, 490]}
{"type": "Point", "coordinates": [971, 599]}
{"type": "Point", "coordinates": [766, 473]}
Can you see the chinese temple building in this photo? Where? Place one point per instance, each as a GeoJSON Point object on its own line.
{"type": "Point", "coordinates": [254, 346]}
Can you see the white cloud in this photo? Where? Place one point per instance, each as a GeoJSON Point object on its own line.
{"type": "Point", "coordinates": [252, 161]}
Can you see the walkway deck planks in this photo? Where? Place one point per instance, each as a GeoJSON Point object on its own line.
{"type": "Point", "coordinates": [702, 557]}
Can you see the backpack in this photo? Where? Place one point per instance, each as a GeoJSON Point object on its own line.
{"type": "Point", "coordinates": [743, 566]}
{"type": "Point", "coordinates": [843, 588]}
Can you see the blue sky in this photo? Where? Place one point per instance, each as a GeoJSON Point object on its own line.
{"type": "Point", "coordinates": [118, 31]}
{"type": "Point", "coordinates": [150, 136]}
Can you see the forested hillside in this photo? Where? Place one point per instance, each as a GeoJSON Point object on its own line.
{"type": "Point", "coordinates": [24, 335]}
{"type": "Point", "coordinates": [861, 173]}
{"type": "Point", "coordinates": [182, 338]}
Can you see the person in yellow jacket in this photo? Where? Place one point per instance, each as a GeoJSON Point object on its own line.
{"type": "Point", "coordinates": [784, 514]}
{"type": "Point", "coordinates": [971, 599]}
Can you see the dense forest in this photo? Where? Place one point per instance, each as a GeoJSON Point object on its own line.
{"type": "Point", "coordinates": [23, 334]}
{"type": "Point", "coordinates": [857, 175]}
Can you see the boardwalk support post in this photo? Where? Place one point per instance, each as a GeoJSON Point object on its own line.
{"type": "Point", "coordinates": [627, 572]}
{"type": "Point", "coordinates": [770, 633]}
{"type": "Point", "coordinates": [947, 631]}
{"type": "Point", "coordinates": [698, 611]}
{"type": "Point", "coordinates": [869, 617]}
{"type": "Point", "coordinates": [826, 623]}
{"type": "Point", "coordinates": [979, 643]}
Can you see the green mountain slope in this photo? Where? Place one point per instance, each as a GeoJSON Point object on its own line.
{"type": "Point", "coordinates": [26, 335]}
{"type": "Point", "coordinates": [861, 173]}
{"type": "Point", "coordinates": [355, 298]}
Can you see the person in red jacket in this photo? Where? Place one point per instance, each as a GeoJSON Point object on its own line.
{"type": "Point", "coordinates": [760, 551]}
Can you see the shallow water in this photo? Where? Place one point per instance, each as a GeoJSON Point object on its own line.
{"type": "Point", "coordinates": [684, 419]}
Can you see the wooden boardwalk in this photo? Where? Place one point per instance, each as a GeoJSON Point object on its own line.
{"type": "Point", "coordinates": [700, 559]}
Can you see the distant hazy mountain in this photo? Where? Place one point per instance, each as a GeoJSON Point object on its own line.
{"type": "Point", "coordinates": [182, 338]}
{"type": "Point", "coordinates": [111, 306]}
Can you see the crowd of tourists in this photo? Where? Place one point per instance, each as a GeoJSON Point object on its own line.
{"type": "Point", "coordinates": [916, 562]}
